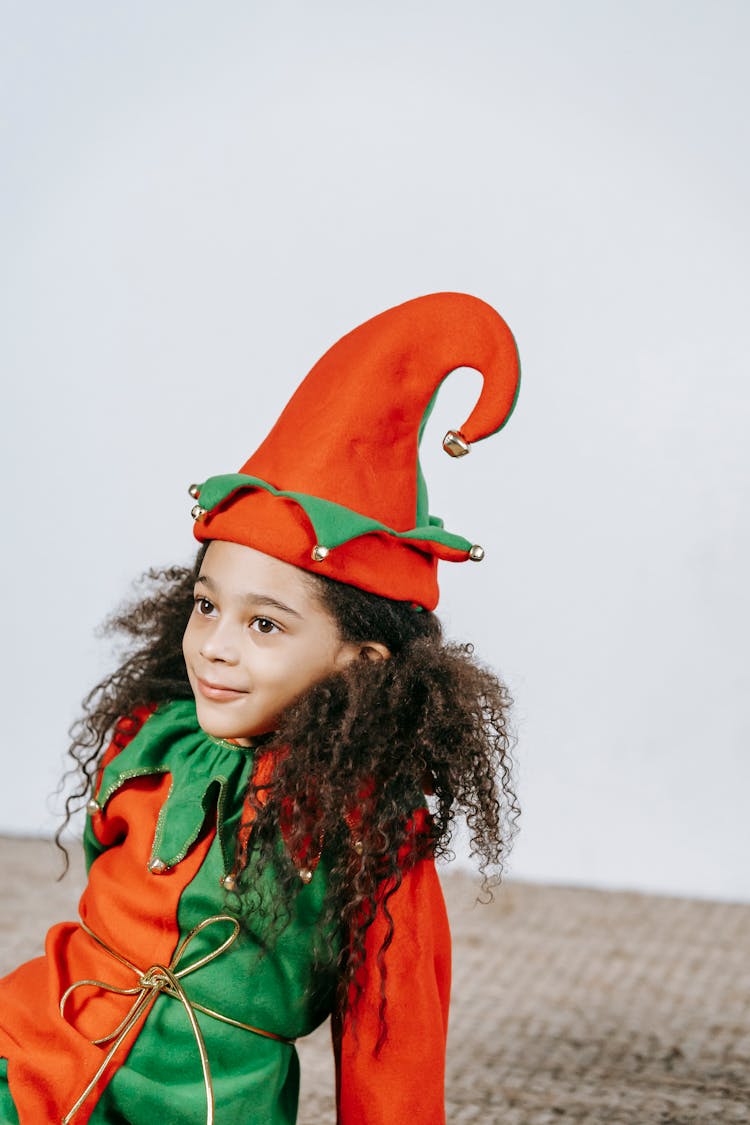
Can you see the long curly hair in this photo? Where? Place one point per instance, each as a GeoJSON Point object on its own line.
{"type": "Point", "coordinates": [368, 743]}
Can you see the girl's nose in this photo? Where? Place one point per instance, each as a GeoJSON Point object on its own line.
{"type": "Point", "coordinates": [219, 646]}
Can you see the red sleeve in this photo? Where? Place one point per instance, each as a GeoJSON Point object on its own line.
{"type": "Point", "coordinates": [404, 1084]}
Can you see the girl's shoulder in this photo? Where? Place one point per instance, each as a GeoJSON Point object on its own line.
{"type": "Point", "coordinates": [125, 730]}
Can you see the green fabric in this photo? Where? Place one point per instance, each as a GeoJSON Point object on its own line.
{"type": "Point", "coordinates": [8, 1114]}
{"type": "Point", "coordinates": [205, 773]}
{"type": "Point", "coordinates": [333, 523]}
{"type": "Point", "coordinates": [268, 982]}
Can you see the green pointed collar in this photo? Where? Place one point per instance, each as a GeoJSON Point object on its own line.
{"type": "Point", "coordinates": [204, 771]}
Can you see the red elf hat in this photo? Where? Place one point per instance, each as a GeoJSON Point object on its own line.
{"type": "Point", "coordinates": [336, 488]}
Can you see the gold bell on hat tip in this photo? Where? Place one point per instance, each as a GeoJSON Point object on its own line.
{"type": "Point", "coordinates": [93, 807]}
{"type": "Point", "coordinates": [319, 553]}
{"type": "Point", "coordinates": [157, 866]}
{"type": "Point", "coordinates": [196, 511]}
{"type": "Point", "coordinates": [456, 444]}
{"type": "Point", "coordinates": [476, 554]}
{"type": "Point", "coordinates": [194, 491]}
{"type": "Point", "coordinates": [305, 874]}
{"type": "Point", "coordinates": [229, 883]}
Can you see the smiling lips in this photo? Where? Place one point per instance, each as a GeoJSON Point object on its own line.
{"type": "Point", "coordinates": [218, 692]}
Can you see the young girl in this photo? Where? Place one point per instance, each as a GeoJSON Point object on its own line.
{"type": "Point", "coordinates": [259, 848]}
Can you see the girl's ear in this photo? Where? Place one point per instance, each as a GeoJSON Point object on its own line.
{"type": "Point", "coordinates": [374, 651]}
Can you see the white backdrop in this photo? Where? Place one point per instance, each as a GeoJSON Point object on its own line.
{"type": "Point", "coordinates": [198, 199]}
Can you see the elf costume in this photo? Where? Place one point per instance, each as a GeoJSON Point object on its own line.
{"type": "Point", "coordinates": [156, 1005]}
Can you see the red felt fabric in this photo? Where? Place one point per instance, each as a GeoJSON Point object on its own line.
{"type": "Point", "coordinates": [378, 563]}
{"type": "Point", "coordinates": [350, 434]}
{"type": "Point", "coordinates": [404, 1084]}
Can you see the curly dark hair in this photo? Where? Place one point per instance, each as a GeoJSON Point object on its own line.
{"type": "Point", "coordinates": [374, 737]}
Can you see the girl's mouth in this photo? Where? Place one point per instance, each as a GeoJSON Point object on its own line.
{"type": "Point", "coordinates": [219, 693]}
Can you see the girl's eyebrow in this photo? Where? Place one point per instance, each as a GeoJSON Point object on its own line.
{"type": "Point", "coordinates": [272, 603]}
{"type": "Point", "coordinates": [253, 599]}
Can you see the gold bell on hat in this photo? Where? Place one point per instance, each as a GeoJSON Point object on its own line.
{"type": "Point", "coordinates": [456, 444]}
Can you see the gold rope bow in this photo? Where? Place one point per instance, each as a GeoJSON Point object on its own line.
{"type": "Point", "coordinates": [161, 979]}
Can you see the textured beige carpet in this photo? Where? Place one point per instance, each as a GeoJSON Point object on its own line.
{"type": "Point", "coordinates": [568, 1005]}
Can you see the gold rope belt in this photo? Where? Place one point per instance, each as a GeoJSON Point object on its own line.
{"type": "Point", "coordinates": [161, 979]}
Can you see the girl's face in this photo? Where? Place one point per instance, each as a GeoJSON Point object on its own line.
{"type": "Point", "coordinates": [257, 638]}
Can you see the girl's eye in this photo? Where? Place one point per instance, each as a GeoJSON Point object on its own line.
{"type": "Point", "coordinates": [263, 625]}
{"type": "Point", "coordinates": [204, 606]}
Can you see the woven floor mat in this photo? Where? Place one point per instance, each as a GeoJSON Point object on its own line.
{"type": "Point", "coordinates": [569, 1005]}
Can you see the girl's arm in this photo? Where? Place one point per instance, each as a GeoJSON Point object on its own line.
{"type": "Point", "coordinates": [404, 1084]}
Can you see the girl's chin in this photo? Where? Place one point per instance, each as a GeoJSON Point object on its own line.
{"type": "Point", "coordinates": [227, 731]}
